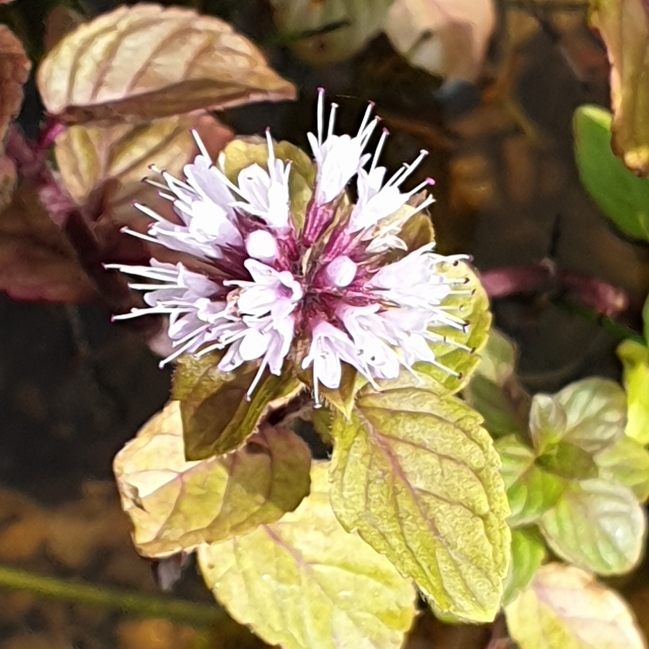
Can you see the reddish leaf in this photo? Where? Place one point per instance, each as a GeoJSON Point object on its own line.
{"type": "Point", "coordinates": [14, 70]}
{"type": "Point", "coordinates": [60, 22]}
{"type": "Point", "coordinates": [36, 260]}
{"type": "Point", "coordinates": [145, 61]}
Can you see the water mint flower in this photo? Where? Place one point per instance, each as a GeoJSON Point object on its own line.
{"type": "Point", "coordinates": [341, 289]}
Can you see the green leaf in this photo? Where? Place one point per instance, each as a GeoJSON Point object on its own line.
{"type": "Point", "coordinates": [595, 412]}
{"type": "Point", "coordinates": [531, 491]}
{"type": "Point", "coordinates": [645, 320]}
{"type": "Point", "coordinates": [176, 505]}
{"type": "Point", "coordinates": [598, 525]}
{"type": "Point", "coordinates": [566, 608]}
{"type": "Point", "coordinates": [568, 461]}
{"type": "Point", "coordinates": [217, 415]}
{"type": "Point", "coordinates": [321, 418]}
{"type": "Point", "coordinates": [528, 553]}
{"type": "Point", "coordinates": [306, 583]}
{"type": "Point", "coordinates": [417, 476]}
{"type": "Point", "coordinates": [342, 397]}
{"type": "Point", "coordinates": [626, 461]}
{"type": "Point", "coordinates": [547, 422]}
{"type": "Point", "coordinates": [244, 151]}
{"type": "Point", "coordinates": [635, 360]}
{"type": "Point", "coordinates": [504, 408]}
{"type": "Point", "coordinates": [589, 414]}
{"type": "Point", "coordinates": [458, 349]}
{"type": "Point", "coordinates": [622, 196]}
{"type": "Point", "coordinates": [498, 359]}
{"type": "Point", "coordinates": [494, 390]}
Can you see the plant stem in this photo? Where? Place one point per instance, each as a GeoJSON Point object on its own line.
{"type": "Point", "coordinates": [194, 614]}
{"type": "Point", "coordinates": [618, 329]}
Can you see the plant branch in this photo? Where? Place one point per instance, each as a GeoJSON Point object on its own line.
{"type": "Point", "coordinates": [194, 614]}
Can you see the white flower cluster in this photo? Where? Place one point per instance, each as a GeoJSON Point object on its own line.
{"type": "Point", "coordinates": [260, 283]}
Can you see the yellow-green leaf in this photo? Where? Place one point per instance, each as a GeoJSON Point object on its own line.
{"type": "Point", "coordinates": [306, 583]}
{"type": "Point", "coordinates": [494, 390]}
{"type": "Point", "coordinates": [635, 359]}
{"type": "Point", "coordinates": [417, 476]}
{"type": "Point", "coordinates": [598, 525]}
{"type": "Point", "coordinates": [87, 156]}
{"type": "Point", "coordinates": [595, 412]}
{"type": "Point", "coordinates": [458, 351]}
{"type": "Point", "coordinates": [547, 422]}
{"type": "Point", "coordinates": [498, 358]}
{"type": "Point", "coordinates": [530, 490]}
{"type": "Point", "coordinates": [146, 61]}
{"type": "Point", "coordinates": [623, 25]}
{"type": "Point", "coordinates": [566, 608]}
{"type": "Point", "coordinates": [528, 553]}
{"type": "Point", "coordinates": [590, 414]}
{"type": "Point", "coordinates": [626, 461]}
{"type": "Point", "coordinates": [244, 151]}
{"type": "Point", "coordinates": [217, 415]}
{"type": "Point", "coordinates": [176, 505]}
{"type": "Point", "coordinates": [343, 397]}
{"type": "Point", "coordinates": [619, 193]}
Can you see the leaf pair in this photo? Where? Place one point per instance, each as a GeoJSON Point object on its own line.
{"type": "Point", "coordinates": [581, 478]}
{"type": "Point", "coordinates": [297, 578]}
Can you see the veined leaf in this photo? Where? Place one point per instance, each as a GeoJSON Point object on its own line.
{"type": "Point", "coordinates": [589, 414]}
{"type": "Point", "coordinates": [415, 474]}
{"type": "Point", "coordinates": [618, 192]}
{"type": "Point", "coordinates": [305, 583]}
{"type": "Point", "coordinates": [528, 553]}
{"type": "Point", "coordinates": [566, 608]}
{"type": "Point", "coordinates": [531, 490]}
{"type": "Point", "coordinates": [598, 525]}
{"type": "Point", "coordinates": [147, 61]}
{"type": "Point", "coordinates": [595, 412]}
{"type": "Point", "coordinates": [176, 505]}
{"type": "Point", "coordinates": [458, 349]}
{"type": "Point", "coordinates": [87, 156]}
{"type": "Point", "coordinates": [635, 359]}
{"type": "Point", "coordinates": [217, 415]}
{"type": "Point", "coordinates": [547, 422]}
{"type": "Point", "coordinates": [626, 461]}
